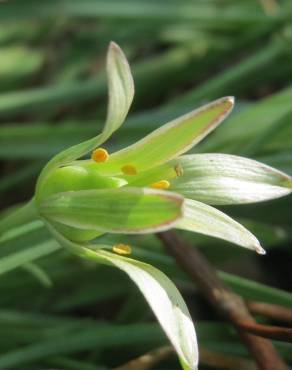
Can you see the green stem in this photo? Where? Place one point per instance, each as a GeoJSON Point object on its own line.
{"type": "Point", "coordinates": [19, 217]}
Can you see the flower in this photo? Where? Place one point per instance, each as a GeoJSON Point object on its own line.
{"type": "Point", "coordinates": [150, 186]}
{"type": "Point", "coordinates": [147, 187]}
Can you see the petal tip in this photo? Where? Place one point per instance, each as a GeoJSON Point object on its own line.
{"type": "Point", "coordinates": [260, 250]}
{"type": "Point", "coordinates": [114, 46]}
{"type": "Point", "coordinates": [231, 99]}
{"type": "Point", "coordinates": [114, 50]}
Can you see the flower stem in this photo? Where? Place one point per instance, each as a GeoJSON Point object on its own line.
{"type": "Point", "coordinates": [19, 217]}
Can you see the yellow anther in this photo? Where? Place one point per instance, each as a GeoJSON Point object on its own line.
{"type": "Point", "coordinates": [100, 155]}
{"type": "Point", "coordinates": [129, 169]}
{"type": "Point", "coordinates": [163, 184]}
{"type": "Point", "coordinates": [178, 170]}
{"type": "Point", "coordinates": [122, 249]}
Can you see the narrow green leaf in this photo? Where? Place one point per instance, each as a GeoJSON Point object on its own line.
{"type": "Point", "coordinates": [241, 128]}
{"type": "Point", "coordinates": [170, 140]}
{"type": "Point", "coordinates": [72, 364]}
{"type": "Point", "coordinates": [229, 179]}
{"type": "Point", "coordinates": [23, 257]}
{"type": "Point", "coordinates": [124, 210]}
{"type": "Point", "coordinates": [203, 219]}
{"type": "Point", "coordinates": [253, 290]}
{"type": "Point", "coordinates": [80, 340]}
{"type": "Point", "coordinates": [160, 293]}
{"type": "Point", "coordinates": [204, 14]}
{"type": "Point", "coordinates": [18, 217]}
{"type": "Point", "coordinates": [38, 273]}
{"type": "Point", "coordinates": [20, 231]}
{"type": "Point", "coordinates": [121, 92]}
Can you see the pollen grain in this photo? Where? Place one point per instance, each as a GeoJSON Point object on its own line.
{"type": "Point", "coordinates": [162, 184]}
{"type": "Point", "coordinates": [100, 155]}
{"type": "Point", "coordinates": [122, 249]}
{"type": "Point", "coordinates": [129, 169]}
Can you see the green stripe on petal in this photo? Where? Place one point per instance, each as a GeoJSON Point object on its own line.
{"type": "Point", "coordinates": [204, 219]}
{"type": "Point", "coordinates": [170, 140]}
{"type": "Point", "coordinates": [228, 179]}
{"type": "Point", "coordinates": [161, 294]}
{"type": "Point", "coordinates": [121, 93]}
{"type": "Point", "coordinates": [124, 210]}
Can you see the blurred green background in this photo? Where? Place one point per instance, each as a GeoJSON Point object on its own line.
{"type": "Point", "coordinates": [57, 312]}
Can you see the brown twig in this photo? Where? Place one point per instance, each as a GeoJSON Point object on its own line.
{"type": "Point", "coordinates": [222, 298]}
{"type": "Point", "coordinates": [223, 361]}
{"type": "Point", "coordinates": [268, 331]}
{"type": "Point", "coordinates": [147, 360]}
{"type": "Point", "coordinates": [272, 311]}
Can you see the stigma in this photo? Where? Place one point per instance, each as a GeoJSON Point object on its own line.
{"type": "Point", "coordinates": [122, 249]}
{"type": "Point", "coordinates": [162, 184]}
{"type": "Point", "coordinates": [100, 155]}
{"type": "Point", "coordinates": [129, 169]}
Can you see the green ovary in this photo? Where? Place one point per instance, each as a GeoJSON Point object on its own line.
{"type": "Point", "coordinates": [75, 178]}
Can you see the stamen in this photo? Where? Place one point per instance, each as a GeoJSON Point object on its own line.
{"type": "Point", "coordinates": [163, 184]}
{"type": "Point", "coordinates": [122, 249]}
{"type": "Point", "coordinates": [178, 170]}
{"type": "Point", "coordinates": [100, 155]}
{"type": "Point", "coordinates": [129, 169]}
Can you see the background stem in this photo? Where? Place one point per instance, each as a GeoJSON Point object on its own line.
{"type": "Point", "coordinates": [19, 217]}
